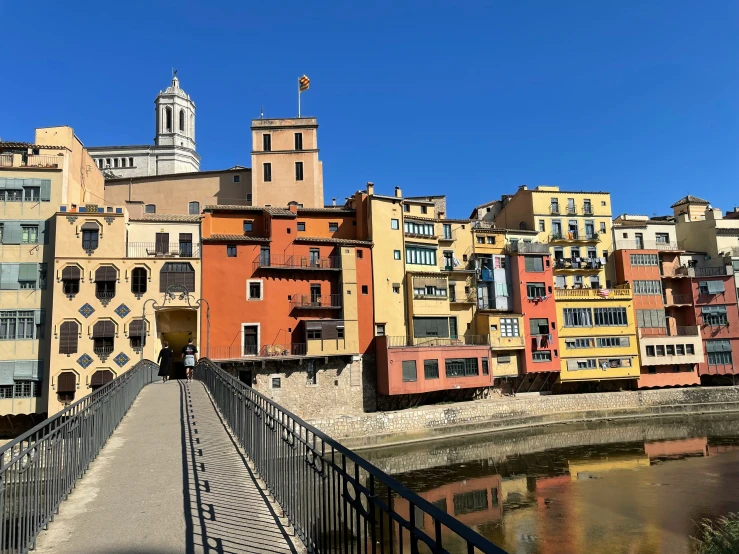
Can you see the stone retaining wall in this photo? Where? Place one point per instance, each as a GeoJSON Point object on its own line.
{"type": "Point", "coordinates": [428, 422]}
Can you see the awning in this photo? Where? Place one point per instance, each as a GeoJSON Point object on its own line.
{"type": "Point", "coordinates": [106, 273]}
{"type": "Point", "coordinates": [136, 328]}
{"type": "Point", "coordinates": [71, 273]}
{"type": "Point", "coordinates": [103, 329]}
{"type": "Point", "coordinates": [312, 325]}
{"type": "Point", "coordinates": [66, 382]}
{"type": "Point", "coordinates": [422, 282]}
{"type": "Point", "coordinates": [89, 226]}
{"type": "Point", "coordinates": [101, 377]}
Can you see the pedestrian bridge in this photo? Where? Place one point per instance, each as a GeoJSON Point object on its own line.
{"type": "Point", "coordinates": [211, 466]}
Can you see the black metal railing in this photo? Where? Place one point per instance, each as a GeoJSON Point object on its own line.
{"type": "Point", "coordinates": [236, 351]}
{"type": "Point", "coordinates": [335, 500]}
{"type": "Point", "coordinates": [420, 342]}
{"type": "Point", "coordinates": [39, 469]}
{"type": "Point", "coordinates": [315, 301]}
{"type": "Point", "coordinates": [163, 250]}
{"type": "Point", "coordinates": [284, 261]}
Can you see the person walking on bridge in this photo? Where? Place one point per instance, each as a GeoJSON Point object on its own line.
{"type": "Point", "coordinates": [165, 362]}
{"type": "Point", "coordinates": [189, 357]}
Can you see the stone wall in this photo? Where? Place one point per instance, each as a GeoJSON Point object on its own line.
{"type": "Point", "coordinates": [428, 422]}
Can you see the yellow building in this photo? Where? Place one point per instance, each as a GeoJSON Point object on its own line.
{"type": "Point", "coordinates": [35, 179]}
{"type": "Point", "coordinates": [121, 287]}
{"type": "Point", "coordinates": [596, 326]}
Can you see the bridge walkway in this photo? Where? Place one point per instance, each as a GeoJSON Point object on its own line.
{"type": "Point", "coordinates": [169, 480]}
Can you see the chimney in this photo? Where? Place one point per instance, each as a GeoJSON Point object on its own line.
{"type": "Point", "coordinates": [293, 208]}
{"type": "Point", "coordinates": [398, 192]}
{"type": "Point", "coordinates": [370, 188]}
{"type": "Point", "coordinates": [333, 201]}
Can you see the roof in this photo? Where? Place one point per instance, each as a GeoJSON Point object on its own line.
{"type": "Point", "coordinates": [168, 176]}
{"type": "Point", "coordinates": [331, 240]}
{"type": "Point", "coordinates": [174, 88]}
{"type": "Point", "coordinates": [182, 218]}
{"type": "Point", "coordinates": [690, 199]}
{"type": "Point", "coordinates": [274, 212]}
{"type": "Point", "coordinates": [29, 145]}
{"type": "Point", "coordinates": [236, 238]}
{"type": "Point", "coordinates": [329, 210]}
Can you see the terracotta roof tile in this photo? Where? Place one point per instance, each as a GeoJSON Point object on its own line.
{"type": "Point", "coordinates": [10, 144]}
{"type": "Point", "coordinates": [236, 238]}
{"type": "Point", "coordinates": [331, 240]}
{"type": "Point", "coordinates": [182, 218]}
{"type": "Point", "coordinates": [690, 199]}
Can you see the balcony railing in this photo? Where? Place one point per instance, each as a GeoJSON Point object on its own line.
{"type": "Point", "coordinates": [587, 209]}
{"type": "Point", "coordinates": [583, 264]}
{"type": "Point", "coordinates": [647, 245]}
{"type": "Point", "coordinates": [158, 250]}
{"type": "Point", "coordinates": [420, 235]}
{"type": "Point", "coordinates": [315, 302]}
{"type": "Point", "coordinates": [679, 331]}
{"type": "Point", "coordinates": [237, 351]}
{"type": "Point", "coordinates": [6, 160]}
{"type": "Point", "coordinates": [678, 299]}
{"type": "Point", "coordinates": [483, 225]}
{"type": "Point", "coordinates": [682, 271]}
{"type": "Point", "coordinates": [586, 294]}
{"type": "Point", "coordinates": [102, 351]}
{"type": "Point", "coordinates": [281, 261]}
{"type": "Point", "coordinates": [31, 160]}
{"type": "Point", "coordinates": [571, 210]}
{"type": "Point", "coordinates": [507, 342]}
{"type": "Point", "coordinates": [420, 342]}
{"type": "Point", "coordinates": [527, 248]}
{"type": "Point", "coordinates": [575, 235]}
{"type": "Point", "coordinates": [554, 209]}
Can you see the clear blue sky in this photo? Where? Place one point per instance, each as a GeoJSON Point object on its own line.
{"type": "Point", "coordinates": [468, 99]}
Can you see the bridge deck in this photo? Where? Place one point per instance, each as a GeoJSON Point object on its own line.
{"type": "Point", "coordinates": [170, 479]}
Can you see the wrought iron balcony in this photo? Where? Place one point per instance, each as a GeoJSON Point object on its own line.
{"type": "Point", "coordinates": [587, 209]}
{"type": "Point", "coordinates": [571, 210]}
{"type": "Point", "coordinates": [160, 250]}
{"type": "Point", "coordinates": [276, 350]}
{"type": "Point", "coordinates": [554, 209]}
{"type": "Point", "coordinates": [619, 293]}
{"type": "Point", "coordinates": [281, 261]}
{"type": "Point", "coordinates": [315, 302]}
{"type": "Point", "coordinates": [585, 264]}
{"type": "Point", "coordinates": [421, 342]}
{"type": "Point", "coordinates": [663, 246]}
{"type": "Point", "coordinates": [575, 235]}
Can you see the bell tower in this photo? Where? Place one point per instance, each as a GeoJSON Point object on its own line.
{"type": "Point", "coordinates": [175, 117]}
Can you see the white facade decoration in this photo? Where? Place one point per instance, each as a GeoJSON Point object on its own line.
{"type": "Point", "coordinates": [173, 150]}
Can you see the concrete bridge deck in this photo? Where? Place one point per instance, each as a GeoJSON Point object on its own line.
{"type": "Point", "coordinates": [169, 480]}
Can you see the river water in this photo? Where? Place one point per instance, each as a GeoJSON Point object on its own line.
{"type": "Point", "coordinates": [611, 487]}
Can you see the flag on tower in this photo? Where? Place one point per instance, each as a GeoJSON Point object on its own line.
{"type": "Point", "coordinates": [303, 83]}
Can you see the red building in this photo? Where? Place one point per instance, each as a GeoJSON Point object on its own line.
{"type": "Point", "coordinates": [290, 295]}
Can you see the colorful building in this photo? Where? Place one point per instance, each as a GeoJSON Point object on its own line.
{"type": "Point", "coordinates": [123, 284]}
{"type": "Point", "coordinates": [35, 178]}
{"type": "Point", "coordinates": [290, 292]}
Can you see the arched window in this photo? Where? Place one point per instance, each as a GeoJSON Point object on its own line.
{"type": "Point", "coordinates": [68, 334]}
{"type": "Point", "coordinates": [168, 119]}
{"type": "Point", "coordinates": [123, 162]}
{"type": "Point", "coordinates": [150, 209]}
{"type": "Point", "coordinates": [177, 274]}
{"type": "Point", "coordinates": [193, 208]}
{"type": "Point", "coordinates": [105, 280]}
{"type": "Point", "coordinates": [182, 120]}
{"type": "Point", "coordinates": [101, 378]}
{"type": "Point", "coordinates": [138, 280]}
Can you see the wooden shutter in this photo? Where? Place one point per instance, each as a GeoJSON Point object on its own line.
{"type": "Point", "coordinates": [66, 382]}
{"type": "Point", "coordinates": [185, 237]}
{"type": "Point", "coordinates": [68, 335]}
{"type": "Point", "coordinates": [106, 273]}
{"type": "Point", "coordinates": [103, 329]}
{"type": "Point", "coordinates": [136, 328]}
{"type": "Point", "coordinates": [71, 273]}
{"type": "Point", "coordinates": [329, 330]}
{"type": "Point", "coordinates": [101, 377]}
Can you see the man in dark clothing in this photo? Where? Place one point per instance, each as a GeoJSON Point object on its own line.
{"type": "Point", "coordinates": [189, 357]}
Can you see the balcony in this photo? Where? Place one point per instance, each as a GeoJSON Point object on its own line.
{"type": "Point", "coordinates": [585, 264]}
{"type": "Point", "coordinates": [281, 261]}
{"type": "Point", "coordinates": [469, 298]}
{"type": "Point", "coordinates": [619, 293]}
{"type": "Point", "coordinates": [662, 246]}
{"type": "Point", "coordinates": [678, 299]}
{"type": "Point", "coordinates": [507, 343]}
{"type": "Point", "coordinates": [575, 235]}
{"type": "Point", "coordinates": [587, 209]}
{"type": "Point", "coordinates": [31, 160]}
{"type": "Point", "coordinates": [159, 250]}
{"type": "Point", "coordinates": [235, 352]}
{"type": "Point", "coordinates": [102, 352]}
{"type": "Point", "coordinates": [679, 331]}
{"type": "Point", "coordinates": [571, 210]}
{"type": "Point", "coordinates": [425, 342]}
{"type": "Point", "coordinates": [527, 248]}
{"type": "Point", "coordinates": [554, 209]}
{"type": "Point", "coordinates": [677, 272]}
{"type": "Point", "coordinates": [315, 302]}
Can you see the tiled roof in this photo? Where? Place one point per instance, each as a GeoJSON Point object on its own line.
{"type": "Point", "coordinates": [165, 176]}
{"type": "Point", "coordinates": [282, 212]}
{"type": "Point", "coordinates": [236, 238]}
{"type": "Point", "coordinates": [690, 199]}
{"type": "Point", "coordinates": [29, 145]}
{"type": "Point", "coordinates": [279, 212]}
{"type": "Point", "coordinates": [331, 240]}
{"type": "Point", "coordinates": [328, 210]}
{"type": "Point", "coordinates": [182, 218]}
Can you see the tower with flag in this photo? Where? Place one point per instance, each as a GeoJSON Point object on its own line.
{"type": "Point", "coordinates": [303, 85]}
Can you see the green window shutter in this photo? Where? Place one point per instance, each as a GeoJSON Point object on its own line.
{"type": "Point", "coordinates": [45, 186]}
{"type": "Point", "coordinates": [9, 277]}
{"type": "Point", "coordinates": [12, 232]}
{"type": "Point", "coordinates": [28, 272]}
{"type": "Point", "coordinates": [716, 286]}
{"type": "Point", "coordinates": [6, 373]}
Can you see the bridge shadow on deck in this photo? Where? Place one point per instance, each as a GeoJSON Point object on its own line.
{"type": "Point", "coordinates": [225, 510]}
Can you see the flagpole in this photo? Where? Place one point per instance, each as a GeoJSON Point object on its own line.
{"type": "Point", "coordinates": [298, 98]}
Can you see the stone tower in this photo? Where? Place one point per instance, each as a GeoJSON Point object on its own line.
{"type": "Point", "coordinates": [175, 121]}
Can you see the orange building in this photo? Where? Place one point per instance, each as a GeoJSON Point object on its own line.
{"type": "Point", "coordinates": [290, 294]}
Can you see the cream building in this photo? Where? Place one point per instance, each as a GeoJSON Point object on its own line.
{"type": "Point", "coordinates": [35, 179]}
{"type": "Point", "coordinates": [122, 285]}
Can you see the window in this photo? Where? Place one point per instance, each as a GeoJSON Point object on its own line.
{"type": "Point", "coordinates": [711, 287]}
{"type": "Point", "coordinates": [609, 317]}
{"type": "Point", "coordinates": [22, 324]}
{"type": "Point", "coordinates": [313, 333]}
{"type": "Point", "coordinates": [409, 371]}
{"type": "Point", "coordinates": [396, 289]}
{"type": "Point", "coordinates": [424, 209]}
{"type": "Point", "coordinates": [298, 141]}
{"type": "Point", "coordinates": [431, 369]}
{"type": "Point", "coordinates": [150, 209]}
{"type": "Point", "coordinates": [580, 343]}
{"type": "Point", "coordinates": [680, 349]}
{"type": "Point", "coordinates": [535, 290]}
{"type": "Point", "coordinates": [90, 239]}
{"type": "Point", "coordinates": [504, 359]}
{"type": "Point", "coordinates": [447, 230]}
{"type": "Point", "coordinates": [644, 259]}
{"type": "Point", "coordinates": [333, 226]}
{"type": "Point", "coordinates": [485, 368]}
{"type": "Point", "coordinates": [31, 194]}
{"type": "Point", "coordinates": [193, 208]}
{"type": "Point", "coordinates": [185, 245]}
{"type": "Point", "coordinates": [539, 326]}
{"type": "Point", "coordinates": [380, 329]}
{"type": "Point", "coordinates": [266, 142]}
{"type": "Point", "coordinates": [396, 254]}
{"type": "Point", "coordinates": [648, 287]}
{"type": "Point", "coordinates": [264, 256]}
{"type": "Point", "coordinates": [577, 317]}
{"type": "Point", "coordinates": [406, 208]}
{"type": "Point", "coordinates": [68, 336]}
{"type": "Point", "coordinates": [650, 350]}
{"type": "Point", "coordinates": [130, 162]}
{"type": "Point", "coordinates": [30, 234]}
{"type": "Point", "coordinates": [115, 162]}
{"type": "Point", "coordinates": [587, 207]}
{"type": "Point", "coordinates": [689, 349]}
{"type": "Point", "coordinates": [542, 356]}
{"type": "Point", "coordinates": [660, 349]}
{"type": "Point", "coordinates": [670, 350]}
{"type": "Point", "coordinates": [534, 264]}
{"type": "Point", "coordinates": [602, 226]}
{"type": "Point", "coordinates": [105, 280]}
{"type": "Point", "coordinates": [103, 335]}
{"type": "Point", "coordinates": [420, 256]}
{"type": "Point", "coordinates": [276, 382]}
{"type": "Point", "coordinates": [301, 226]}
{"type": "Point", "coordinates": [137, 333]}
{"type": "Point", "coordinates": [542, 226]}
{"type": "Point", "coordinates": [178, 274]}
{"type": "Point", "coordinates": [433, 327]}
{"type": "Point", "coordinates": [461, 367]}
{"type": "Point", "coordinates": [267, 172]}
{"type": "Point", "coordinates": [71, 280]}
{"type": "Point", "coordinates": [365, 289]}
{"type": "Point", "coordinates": [714, 315]}
{"type": "Point", "coordinates": [360, 254]}
{"type": "Point", "coordinates": [182, 120]}
{"type": "Point", "coordinates": [139, 280]}
{"type": "Point", "coordinates": [612, 342]}
{"type": "Point", "coordinates": [237, 178]}
{"type": "Point", "coordinates": [491, 239]}
{"type": "Point", "coordinates": [509, 327]}
{"type": "Point", "coordinates": [298, 171]}
{"type": "Point", "coordinates": [394, 224]}
{"type": "Point", "coordinates": [254, 290]}
{"type": "Point", "coordinates": [248, 226]}
{"type": "Point", "coordinates": [425, 229]}
{"type": "Point", "coordinates": [480, 240]}
{"type": "Point", "coordinates": [231, 250]}
{"type": "Point", "coordinates": [662, 238]}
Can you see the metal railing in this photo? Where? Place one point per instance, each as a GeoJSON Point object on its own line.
{"type": "Point", "coordinates": [276, 350]}
{"type": "Point", "coordinates": [583, 294]}
{"type": "Point", "coordinates": [310, 301]}
{"type": "Point", "coordinates": [679, 331]}
{"type": "Point", "coordinates": [420, 342]}
{"type": "Point", "coordinates": [575, 234]}
{"type": "Point", "coordinates": [39, 469]}
{"type": "Point", "coordinates": [677, 299]}
{"type": "Point", "coordinates": [283, 261]}
{"type": "Point", "coordinates": [625, 244]}
{"type": "Point", "coordinates": [158, 250]}
{"type": "Point", "coordinates": [36, 160]}
{"type": "Point", "coordinates": [335, 500]}
{"type": "Point", "coordinates": [527, 248]}
{"type": "Point", "coordinates": [572, 263]}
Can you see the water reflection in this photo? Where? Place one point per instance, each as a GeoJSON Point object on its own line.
{"type": "Point", "coordinates": [612, 487]}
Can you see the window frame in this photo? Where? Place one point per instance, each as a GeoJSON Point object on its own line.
{"type": "Point", "coordinates": [249, 284]}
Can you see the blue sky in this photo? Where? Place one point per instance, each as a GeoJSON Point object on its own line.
{"type": "Point", "coordinates": [469, 99]}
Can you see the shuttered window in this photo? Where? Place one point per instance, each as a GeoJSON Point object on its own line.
{"type": "Point", "coordinates": [66, 382]}
{"type": "Point", "coordinates": [68, 337]}
{"type": "Point", "coordinates": [409, 371]}
{"type": "Point", "coordinates": [650, 318]}
{"type": "Point", "coordinates": [534, 263]}
{"type": "Point", "coordinates": [609, 317]}
{"type": "Point", "coordinates": [162, 243]}
{"type": "Point", "coordinates": [137, 333]}
{"type": "Point", "coordinates": [106, 273]}
{"type": "Point", "coordinates": [101, 378]}
{"type": "Point", "coordinates": [177, 274]}
{"type": "Point", "coordinates": [71, 273]}
{"type": "Point", "coordinates": [431, 327]}
{"type": "Point", "coordinates": [103, 329]}
{"type": "Point", "coordinates": [647, 287]}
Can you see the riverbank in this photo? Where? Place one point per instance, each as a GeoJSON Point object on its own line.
{"type": "Point", "coordinates": [481, 416]}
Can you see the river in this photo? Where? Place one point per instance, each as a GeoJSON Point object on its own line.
{"type": "Point", "coordinates": [609, 487]}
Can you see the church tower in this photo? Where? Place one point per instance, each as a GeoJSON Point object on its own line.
{"type": "Point", "coordinates": [175, 117]}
